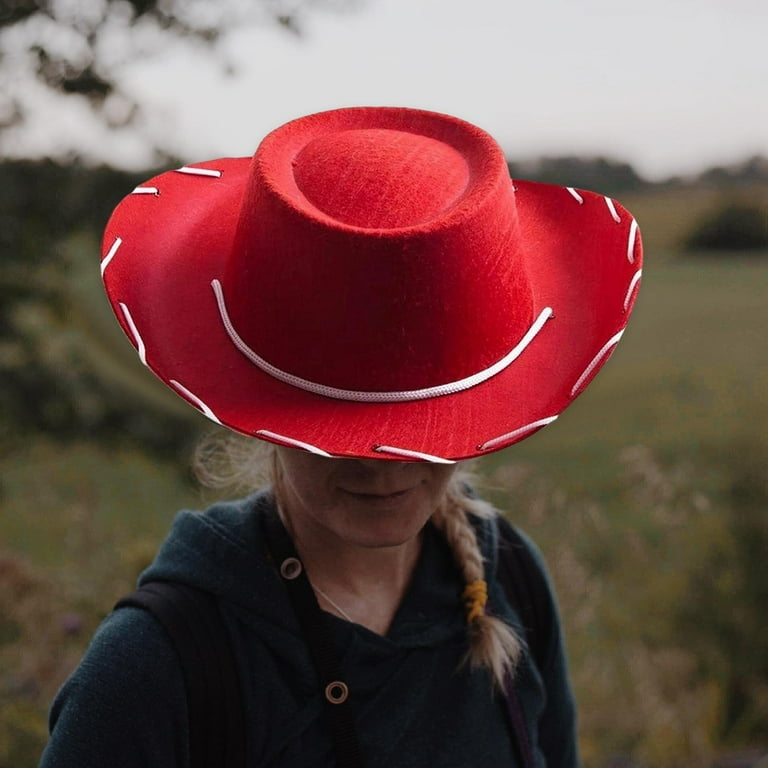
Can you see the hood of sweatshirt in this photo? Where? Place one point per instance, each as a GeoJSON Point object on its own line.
{"type": "Point", "coordinates": [223, 550]}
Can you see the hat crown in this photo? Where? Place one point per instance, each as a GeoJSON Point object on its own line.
{"type": "Point", "coordinates": [378, 252]}
{"type": "Point", "coordinates": [379, 178]}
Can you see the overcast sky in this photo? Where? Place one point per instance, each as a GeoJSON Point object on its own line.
{"type": "Point", "coordinates": [671, 86]}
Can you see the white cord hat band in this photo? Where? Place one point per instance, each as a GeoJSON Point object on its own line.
{"type": "Point", "coordinates": [377, 397]}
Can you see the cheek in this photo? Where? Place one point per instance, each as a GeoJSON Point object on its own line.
{"type": "Point", "coordinates": [303, 473]}
{"type": "Point", "coordinates": [314, 494]}
{"type": "Point", "coordinates": [434, 489]}
{"type": "Point", "coordinates": [440, 478]}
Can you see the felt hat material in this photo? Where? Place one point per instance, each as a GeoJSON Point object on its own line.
{"type": "Point", "coordinates": [371, 283]}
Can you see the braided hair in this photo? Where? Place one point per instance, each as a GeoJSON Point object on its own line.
{"type": "Point", "coordinates": [493, 644]}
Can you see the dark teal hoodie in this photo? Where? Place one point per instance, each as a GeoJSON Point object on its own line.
{"type": "Point", "coordinates": [416, 704]}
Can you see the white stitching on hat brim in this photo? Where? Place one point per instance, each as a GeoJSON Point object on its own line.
{"type": "Point", "coordinates": [292, 442]}
{"type": "Point", "coordinates": [140, 346]}
{"type": "Point", "coordinates": [631, 242]}
{"type": "Point", "coordinates": [110, 254]}
{"type": "Point", "coordinates": [608, 347]}
{"type": "Point", "coordinates": [575, 195]}
{"type": "Point", "coordinates": [632, 285]}
{"type": "Point", "coordinates": [612, 208]}
{"type": "Point", "coordinates": [196, 400]}
{"type": "Point", "coordinates": [408, 454]}
{"type": "Point", "coordinates": [194, 171]}
{"type": "Point", "coordinates": [376, 397]}
{"type": "Point", "coordinates": [402, 452]}
{"type": "Point", "coordinates": [515, 433]}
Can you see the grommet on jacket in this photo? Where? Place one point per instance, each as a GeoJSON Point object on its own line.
{"type": "Point", "coordinates": [291, 568]}
{"type": "Point", "coordinates": [336, 692]}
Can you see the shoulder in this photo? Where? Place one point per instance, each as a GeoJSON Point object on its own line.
{"type": "Point", "coordinates": [126, 693]}
{"type": "Point", "coordinates": [521, 574]}
{"type": "Point", "coordinates": [514, 545]}
{"type": "Point", "coordinates": [505, 546]}
{"type": "Point", "coordinates": [130, 658]}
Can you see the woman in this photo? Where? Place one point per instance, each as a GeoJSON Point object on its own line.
{"type": "Point", "coordinates": [372, 297]}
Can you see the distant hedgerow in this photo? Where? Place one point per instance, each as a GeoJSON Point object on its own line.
{"type": "Point", "coordinates": [734, 226]}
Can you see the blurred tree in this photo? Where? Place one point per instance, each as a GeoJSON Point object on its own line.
{"type": "Point", "coordinates": [76, 47]}
{"type": "Point", "coordinates": [752, 170]}
{"type": "Point", "coordinates": [49, 380]}
{"type": "Point", "coordinates": [74, 50]}
{"type": "Point", "coordinates": [732, 226]}
{"type": "Point", "coordinates": [598, 173]}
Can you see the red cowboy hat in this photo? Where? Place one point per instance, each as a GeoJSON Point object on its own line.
{"type": "Point", "coordinates": [372, 284]}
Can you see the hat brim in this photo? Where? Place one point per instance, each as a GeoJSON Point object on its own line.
{"type": "Point", "coordinates": [582, 253]}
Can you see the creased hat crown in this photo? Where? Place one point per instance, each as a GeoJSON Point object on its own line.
{"type": "Point", "coordinates": [378, 258]}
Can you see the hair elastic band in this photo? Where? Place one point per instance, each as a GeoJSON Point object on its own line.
{"type": "Point", "coordinates": [475, 598]}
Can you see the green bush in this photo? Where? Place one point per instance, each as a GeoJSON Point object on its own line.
{"type": "Point", "coordinates": [724, 614]}
{"type": "Point", "coordinates": [733, 226]}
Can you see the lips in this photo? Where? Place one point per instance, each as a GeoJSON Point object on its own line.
{"type": "Point", "coordinates": [378, 497]}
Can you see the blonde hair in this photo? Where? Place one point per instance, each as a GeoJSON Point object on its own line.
{"type": "Point", "coordinates": [233, 463]}
{"type": "Point", "coordinates": [493, 644]}
{"type": "Point", "coordinates": [237, 464]}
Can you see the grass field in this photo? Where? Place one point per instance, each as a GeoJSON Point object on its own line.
{"type": "Point", "coordinates": [684, 396]}
{"type": "Point", "coordinates": [690, 375]}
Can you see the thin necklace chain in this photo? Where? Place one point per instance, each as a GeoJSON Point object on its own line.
{"type": "Point", "coordinates": [317, 589]}
{"type": "Point", "coordinates": [330, 602]}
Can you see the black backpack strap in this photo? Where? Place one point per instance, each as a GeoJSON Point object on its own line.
{"type": "Point", "coordinates": [526, 589]}
{"type": "Point", "coordinates": [194, 623]}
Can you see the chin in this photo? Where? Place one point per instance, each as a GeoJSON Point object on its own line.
{"type": "Point", "coordinates": [383, 537]}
